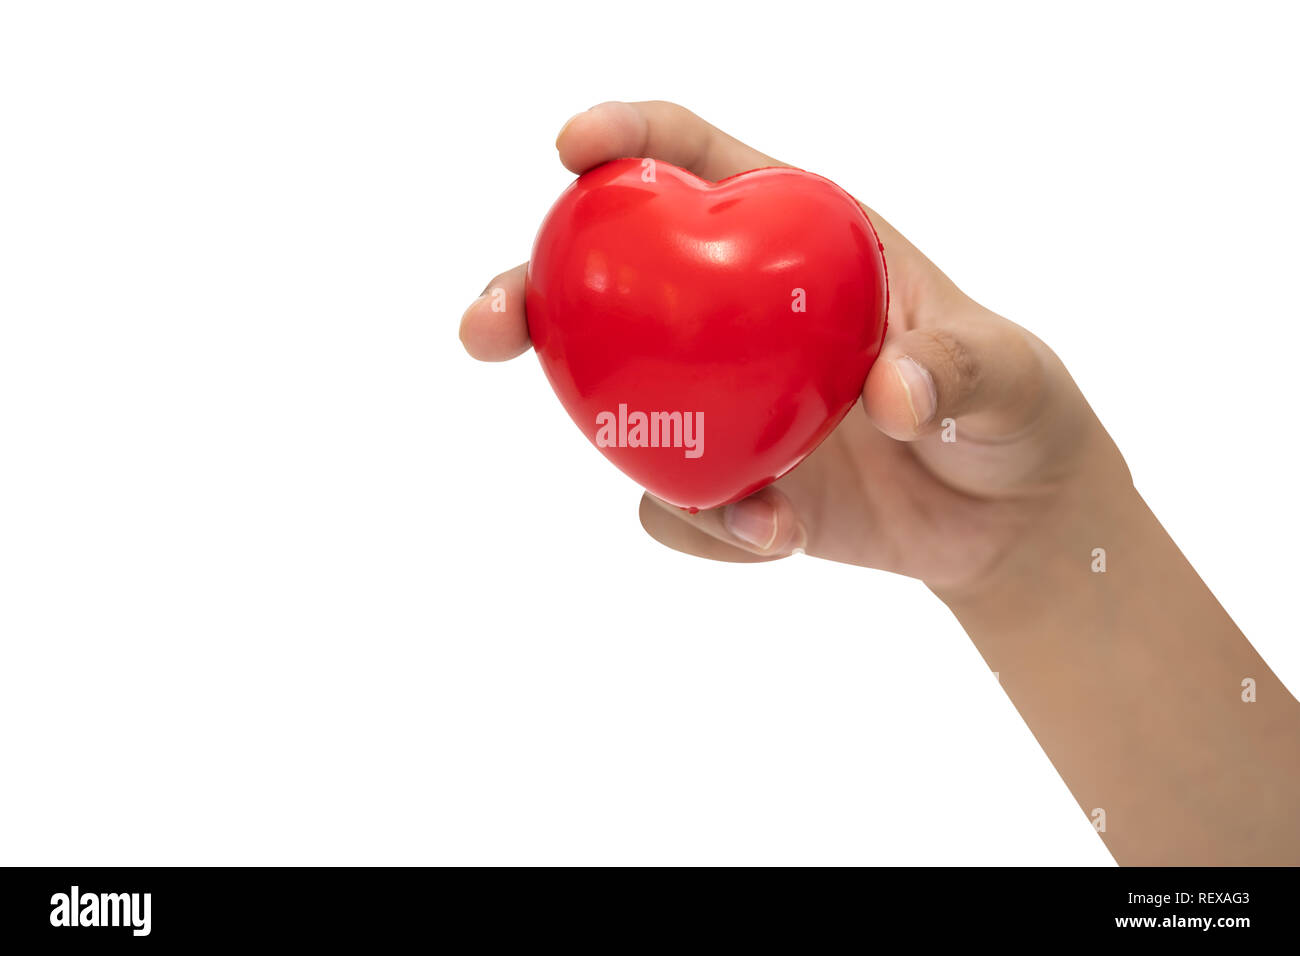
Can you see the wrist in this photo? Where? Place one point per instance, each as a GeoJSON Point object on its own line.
{"type": "Point", "coordinates": [1130, 675]}
{"type": "Point", "coordinates": [1063, 560]}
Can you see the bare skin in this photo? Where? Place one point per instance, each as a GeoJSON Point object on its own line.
{"type": "Point", "coordinates": [1131, 679]}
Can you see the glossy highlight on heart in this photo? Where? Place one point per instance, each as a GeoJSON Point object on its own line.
{"type": "Point", "coordinates": [706, 337]}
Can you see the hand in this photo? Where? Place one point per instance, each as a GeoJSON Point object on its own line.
{"type": "Point", "coordinates": [969, 429]}
{"type": "Point", "coordinates": [1130, 680]}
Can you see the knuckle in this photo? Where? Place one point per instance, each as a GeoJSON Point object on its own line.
{"type": "Point", "coordinates": [958, 359]}
{"type": "Point", "coordinates": [676, 109]}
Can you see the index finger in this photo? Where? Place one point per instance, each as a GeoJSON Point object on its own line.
{"type": "Point", "coordinates": [660, 130]}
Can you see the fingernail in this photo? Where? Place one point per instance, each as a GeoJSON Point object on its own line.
{"type": "Point", "coordinates": [567, 124]}
{"type": "Point", "coordinates": [752, 521]}
{"type": "Point", "coordinates": [918, 386]}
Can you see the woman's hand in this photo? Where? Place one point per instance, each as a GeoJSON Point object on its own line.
{"type": "Point", "coordinates": [968, 431]}
{"type": "Point", "coordinates": [974, 464]}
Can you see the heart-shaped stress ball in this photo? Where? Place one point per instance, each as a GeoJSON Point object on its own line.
{"type": "Point", "coordinates": [706, 336]}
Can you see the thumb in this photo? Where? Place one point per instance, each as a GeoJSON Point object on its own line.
{"type": "Point", "coordinates": [979, 367]}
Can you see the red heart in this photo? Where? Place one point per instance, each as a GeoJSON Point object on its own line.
{"type": "Point", "coordinates": [706, 336]}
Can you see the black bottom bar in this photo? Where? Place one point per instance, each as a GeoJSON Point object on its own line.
{"type": "Point", "coordinates": [120, 908]}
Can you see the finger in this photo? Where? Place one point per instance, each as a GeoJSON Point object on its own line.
{"type": "Point", "coordinates": [659, 130]}
{"type": "Point", "coordinates": [675, 533]}
{"type": "Point", "coordinates": [493, 328]}
{"type": "Point", "coordinates": [975, 366]}
{"type": "Point", "coordinates": [764, 525]}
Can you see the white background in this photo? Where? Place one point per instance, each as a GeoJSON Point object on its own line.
{"type": "Point", "coordinates": [285, 577]}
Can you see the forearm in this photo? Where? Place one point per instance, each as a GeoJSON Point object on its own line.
{"type": "Point", "coordinates": [1131, 679]}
